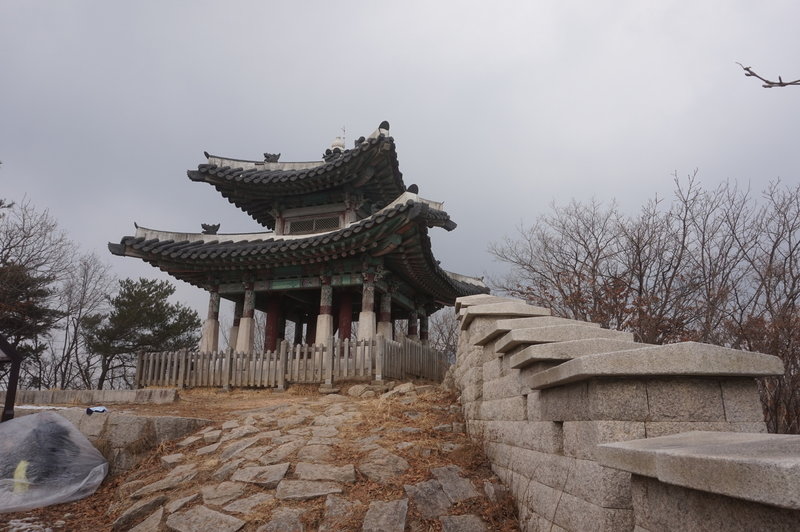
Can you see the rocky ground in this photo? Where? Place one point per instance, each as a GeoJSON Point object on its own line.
{"type": "Point", "coordinates": [363, 459]}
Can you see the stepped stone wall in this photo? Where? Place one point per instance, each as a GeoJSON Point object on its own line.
{"type": "Point", "coordinates": [549, 397]}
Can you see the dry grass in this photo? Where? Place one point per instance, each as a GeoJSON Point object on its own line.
{"type": "Point", "coordinates": [381, 417]}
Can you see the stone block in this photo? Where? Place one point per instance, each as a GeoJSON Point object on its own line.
{"type": "Point", "coordinates": [544, 436]}
{"type": "Point", "coordinates": [683, 359]}
{"type": "Point", "coordinates": [563, 351]}
{"type": "Point", "coordinates": [654, 429]}
{"type": "Point", "coordinates": [574, 513]}
{"type": "Point", "coordinates": [556, 332]}
{"type": "Point", "coordinates": [300, 490]}
{"type": "Point", "coordinates": [464, 302]}
{"type": "Point", "coordinates": [503, 387]}
{"type": "Point", "coordinates": [541, 499]}
{"type": "Point", "coordinates": [582, 437]}
{"type": "Point", "coordinates": [565, 403]}
{"type": "Point", "coordinates": [616, 400]}
{"type": "Point", "coordinates": [428, 498]}
{"type": "Point", "coordinates": [661, 506]}
{"type": "Point", "coordinates": [741, 400]}
{"type": "Point", "coordinates": [500, 327]}
{"type": "Point", "coordinates": [602, 486]}
{"type": "Point", "coordinates": [545, 468]}
{"type": "Point", "coordinates": [492, 369]}
{"type": "Point", "coordinates": [685, 399]}
{"type": "Point", "coordinates": [508, 409]}
{"type": "Point", "coordinates": [500, 310]}
{"type": "Point", "coordinates": [499, 453]}
{"type": "Point", "coordinates": [534, 406]}
{"type": "Point", "coordinates": [763, 468]}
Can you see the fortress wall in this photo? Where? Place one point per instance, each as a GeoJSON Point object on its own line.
{"type": "Point", "coordinates": [546, 394]}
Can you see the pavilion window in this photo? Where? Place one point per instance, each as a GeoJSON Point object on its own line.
{"type": "Point", "coordinates": [300, 226]}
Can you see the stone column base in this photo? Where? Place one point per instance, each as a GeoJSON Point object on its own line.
{"type": "Point", "coordinates": [244, 339]}
{"type": "Point", "coordinates": [385, 328]}
{"type": "Point", "coordinates": [324, 328]}
{"type": "Point", "coordinates": [366, 325]}
{"type": "Point", "coordinates": [209, 341]}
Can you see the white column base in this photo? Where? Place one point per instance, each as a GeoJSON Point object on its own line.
{"type": "Point", "coordinates": [209, 341]}
{"type": "Point", "coordinates": [324, 328]}
{"type": "Point", "coordinates": [233, 333]}
{"type": "Point", "coordinates": [385, 329]}
{"type": "Point", "coordinates": [244, 339]}
{"type": "Point", "coordinates": [366, 325]}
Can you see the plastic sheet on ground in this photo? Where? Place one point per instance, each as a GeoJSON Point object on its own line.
{"type": "Point", "coordinates": [45, 460]}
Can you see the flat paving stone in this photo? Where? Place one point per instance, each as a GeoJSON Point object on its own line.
{"type": "Point", "coordinates": [222, 494]}
{"type": "Point", "coordinates": [279, 453]}
{"type": "Point", "coordinates": [177, 476]}
{"type": "Point", "coordinates": [202, 519]}
{"type": "Point", "coordinates": [172, 459]}
{"type": "Point", "coordinates": [315, 453]}
{"type": "Point", "coordinates": [386, 516]}
{"type": "Point", "coordinates": [429, 498]}
{"type": "Point", "coordinates": [237, 447]}
{"type": "Point", "coordinates": [265, 476]}
{"type": "Point", "coordinates": [246, 505]}
{"type": "Point", "coordinates": [239, 432]}
{"type": "Point", "coordinates": [299, 490]}
{"type": "Point", "coordinates": [151, 524]}
{"type": "Point", "coordinates": [285, 520]}
{"type": "Point", "coordinates": [224, 472]}
{"type": "Point", "coordinates": [462, 523]}
{"type": "Point", "coordinates": [337, 511]}
{"type": "Point", "coordinates": [177, 504]}
{"type": "Point", "coordinates": [207, 449]}
{"type": "Point", "coordinates": [380, 465]}
{"type": "Point", "coordinates": [137, 512]}
{"type": "Point", "coordinates": [309, 471]}
{"type": "Point", "coordinates": [456, 487]}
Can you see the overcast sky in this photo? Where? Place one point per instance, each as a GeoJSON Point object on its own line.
{"type": "Point", "coordinates": [496, 109]}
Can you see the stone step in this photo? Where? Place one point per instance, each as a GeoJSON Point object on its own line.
{"type": "Point", "coordinates": [481, 299]}
{"type": "Point", "coordinates": [504, 326]}
{"type": "Point", "coordinates": [560, 333]}
{"type": "Point", "coordinates": [682, 359]}
{"type": "Point", "coordinates": [763, 468]}
{"type": "Point", "coordinates": [501, 310]}
{"type": "Point", "coordinates": [563, 351]}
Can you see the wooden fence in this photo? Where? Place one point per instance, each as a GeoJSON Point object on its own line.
{"type": "Point", "coordinates": [374, 359]}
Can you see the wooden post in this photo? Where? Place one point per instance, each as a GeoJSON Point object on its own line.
{"type": "Point", "coordinates": [226, 374]}
{"type": "Point", "coordinates": [282, 367]}
{"type": "Point", "coordinates": [181, 367]}
{"type": "Point", "coordinates": [380, 346]}
{"type": "Point", "coordinates": [327, 356]}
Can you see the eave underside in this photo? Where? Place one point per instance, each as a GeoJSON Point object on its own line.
{"type": "Point", "coordinates": [395, 239]}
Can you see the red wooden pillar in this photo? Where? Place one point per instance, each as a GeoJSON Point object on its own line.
{"type": "Point", "coordinates": [274, 319]}
{"type": "Point", "coordinates": [345, 314]}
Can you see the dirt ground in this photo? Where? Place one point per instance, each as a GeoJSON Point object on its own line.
{"type": "Point", "coordinates": [98, 512]}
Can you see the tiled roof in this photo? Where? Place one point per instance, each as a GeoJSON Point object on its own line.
{"type": "Point", "coordinates": [371, 168]}
{"type": "Point", "coordinates": [196, 256]}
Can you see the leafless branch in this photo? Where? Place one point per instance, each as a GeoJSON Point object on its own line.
{"type": "Point", "coordinates": [768, 84]}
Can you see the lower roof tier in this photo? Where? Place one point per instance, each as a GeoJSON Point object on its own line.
{"type": "Point", "coordinates": [396, 237]}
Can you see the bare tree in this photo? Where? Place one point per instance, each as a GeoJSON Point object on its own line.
{"type": "Point", "coordinates": [766, 83]}
{"type": "Point", "coordinates": [716, 266]}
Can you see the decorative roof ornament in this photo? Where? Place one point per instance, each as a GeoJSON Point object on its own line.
{"type": "Point", "coordinates": [210, 229]}
{"type": "Point", "coordinates": [271, 157]}
{"type": "Point", "coordinates": [413, 188]}
{"type": "Point", "coordinates": [335, 151]}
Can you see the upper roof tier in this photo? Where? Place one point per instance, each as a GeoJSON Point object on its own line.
{"type": "Point", "coordinates": [367, 174]}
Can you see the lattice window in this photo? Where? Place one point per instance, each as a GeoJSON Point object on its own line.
{"type": "Point", "coordinates": [313, 225]}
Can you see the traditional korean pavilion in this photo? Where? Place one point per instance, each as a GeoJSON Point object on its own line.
{"type": "Point", "coordinates": [345, 240]}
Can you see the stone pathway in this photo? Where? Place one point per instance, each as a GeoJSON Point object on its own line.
{"type": "Point", "coordinates": [379, 461]}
